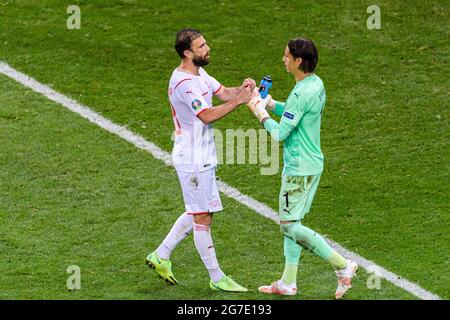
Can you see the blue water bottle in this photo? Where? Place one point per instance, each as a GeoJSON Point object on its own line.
{"type": "Point", "coordinates": [264, 86]}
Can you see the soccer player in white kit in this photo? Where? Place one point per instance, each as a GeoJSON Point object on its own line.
{"type": "Point", "coordinates": [191, 90]}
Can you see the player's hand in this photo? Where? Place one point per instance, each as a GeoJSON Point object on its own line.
{"type": "Point", "coordinates": [257, 105]}
{"type": "Point", "coordinates": [248, 83]}
{"type": "Point", "coordinates": [257, 101]}
{"type": "Point", "coordinates": [270, 104]}
{"type": "Point", "coordinates": [244, 96]}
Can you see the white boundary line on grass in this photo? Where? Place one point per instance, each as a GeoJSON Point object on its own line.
{"type": "Point", "coordinates": [231, 192]}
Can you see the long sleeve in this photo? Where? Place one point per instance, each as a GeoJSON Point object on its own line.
{"type": "Point", "coordinates": [293, 112]}
{"type": "Point", "coordinates": [279, 108]}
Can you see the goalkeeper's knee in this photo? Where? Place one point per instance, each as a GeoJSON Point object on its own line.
{"type": "Point", "coordinates": [307, 238]}
{"type": "Point", "coordinates": [289, 229]}
{"type": "Point", "coordinates": [300, 234]}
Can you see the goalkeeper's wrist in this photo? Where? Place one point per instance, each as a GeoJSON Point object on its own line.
{"type": "Point", "coordinates": [271, 104]}
{"type": "Point", "coordinates": [261, 113]}
{"type": "Point", "coordinates": [264, 120]}
{"type": "Point", "coordinates": [276, 104]}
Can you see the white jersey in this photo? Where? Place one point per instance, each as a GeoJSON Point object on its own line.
{"type": "Point", "coordinates": [189, 95]}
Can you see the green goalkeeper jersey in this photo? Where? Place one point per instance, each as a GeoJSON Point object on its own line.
{"type": "Point", "coordinates": [299, 127]}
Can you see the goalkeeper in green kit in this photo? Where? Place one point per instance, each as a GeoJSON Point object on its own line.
{"type": "Point", "coordinates": [299, 129]}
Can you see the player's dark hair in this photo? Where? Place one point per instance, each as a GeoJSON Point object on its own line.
{"type": "Point", "coordinates": [305, 49]}
{"type": "Point", "coordinates": [184, 40]}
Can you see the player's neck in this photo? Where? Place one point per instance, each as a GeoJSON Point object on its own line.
{"type": "Point", "coordinates": [300, 75]}
{"type": "Point", "coordinates": [189, 67]}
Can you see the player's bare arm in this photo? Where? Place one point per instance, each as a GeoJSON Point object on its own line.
{"type": "Point", "coordinates": [213, 114]}
{"type": "Point", "coordinates": [227, 94]}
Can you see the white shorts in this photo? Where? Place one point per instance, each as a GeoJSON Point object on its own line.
{"type": "Point", "coordinates": [200, 192]}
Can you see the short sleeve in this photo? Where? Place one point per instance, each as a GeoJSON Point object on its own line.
{"type": "Point", "coordinates": [192, 97]}
{"type": "Point", "coordinates": [215, 85]}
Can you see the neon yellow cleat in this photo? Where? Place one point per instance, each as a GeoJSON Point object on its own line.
{"type": "Point", "coordinates": [162, 267]}
{"type": "Point", "coordinates": [227, 284]}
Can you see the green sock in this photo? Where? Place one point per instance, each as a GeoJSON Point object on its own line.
{"type": "Point", "coordinates": [337, 261]}
{"type": "Point", "coordinates": [292, 253]}
{"type": "Point", "coordinates": [312, 241]}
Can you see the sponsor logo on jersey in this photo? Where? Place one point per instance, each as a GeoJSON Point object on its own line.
{"type": "Point", "coordinates": [196, 104]}
{"type": "Point", "coordinates": [289, 115]}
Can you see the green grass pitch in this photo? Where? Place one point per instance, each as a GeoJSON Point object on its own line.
{"type": "Point", "coordinates": [73, 194]}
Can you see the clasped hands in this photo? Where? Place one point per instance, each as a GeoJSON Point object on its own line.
{"type": "Point", "coordinates": [256, 104]}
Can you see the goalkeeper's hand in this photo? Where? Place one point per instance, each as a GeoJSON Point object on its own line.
{"type": "Point", "coordinates": [257, 105]}
{"type": "Point", "coordinates": [270, 104]}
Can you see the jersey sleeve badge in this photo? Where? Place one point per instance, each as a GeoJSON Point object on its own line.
{"type": "Point", "coordinates": [196, 104]}
{"type": "Point", "coordinates": [288, 115]}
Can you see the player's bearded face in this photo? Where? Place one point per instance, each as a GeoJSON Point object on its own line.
{"type": "Point", "coordinates": [200, 52]}
{"type": "Point", "coordinates": [201, 60]}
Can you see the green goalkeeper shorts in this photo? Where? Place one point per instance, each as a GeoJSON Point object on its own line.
{"type": "Point", "coordinates": [296, 196]}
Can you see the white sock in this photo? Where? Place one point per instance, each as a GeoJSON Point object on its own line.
{"type": "Point", "coordinates": [290, 286]}
{"type": "Point", "coordinates": [203, 243]}
{"type": "Point", "coordinates": [180, 229]}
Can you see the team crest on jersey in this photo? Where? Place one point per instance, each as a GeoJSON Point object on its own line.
{"type": "Point", "coordinates": [196, 104]}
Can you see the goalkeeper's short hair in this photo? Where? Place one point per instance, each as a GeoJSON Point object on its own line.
{"type": "Point", "coordinates": [305, 49]}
